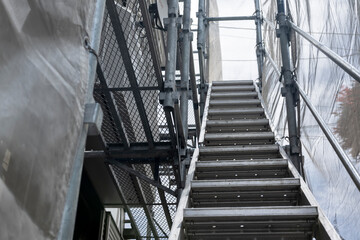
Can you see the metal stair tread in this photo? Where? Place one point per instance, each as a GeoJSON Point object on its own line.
{"type": "Point", "coordinates": [242, 164]}
{"type": "Point", "coordinates": [239, 135]}
{"type": "Point", "coordinates": [209, 150]}
{"type": "Point", "coordinates": [232, 83]}
{"type": "Point", "coordinates": [245, 184]}
{"type": "Point", "coordinates": [233, 88]}
{"type": "Point", "coordinates": [250, 213]}
{"type": "Point", "coordinates": [234, 102]}
{"type": "Point", "coordinates": [234, 95]}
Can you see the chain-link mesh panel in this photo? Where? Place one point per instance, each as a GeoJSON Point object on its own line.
{"type": "Point", "coordinates": [132, 24]}
{"type": "Point", "coordinates": [126, 185]}
{"type": "Point", "coordinates": [110, 57]}
{"type": "Point", "coordinates": [108, 127]}
{"type": "Point", "coordinates": [155, 114]}
{"type": "Point", "coordinates": [150, 194]}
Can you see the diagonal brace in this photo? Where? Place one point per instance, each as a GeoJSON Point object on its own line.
{"type": "Point", "coordinates": [142, 176]}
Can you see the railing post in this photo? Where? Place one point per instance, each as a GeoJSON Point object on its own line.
{"type": "Point", "coordinates": [185, 68]}
{"type": "Point", "coordinates": [171, 24]}
{"type": "Point", "coordinates": [259, 42]}
{"type": "Point", "coordinates": [289, 90]}
{"type": "Point", "coordinates": [201, 52]}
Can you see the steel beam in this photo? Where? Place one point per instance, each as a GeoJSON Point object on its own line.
{"type": "Point", "coordinates": [120, 38]}
{"type": "Point", "coordinates": [236, 18]}
{"type": "Point", "coordinates": [141, 151]}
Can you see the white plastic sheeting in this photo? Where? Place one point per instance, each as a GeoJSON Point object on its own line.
{"type": "Point", "coordinates": [43, 82]}
{"type": "Point", "coordinates": [333, 92]}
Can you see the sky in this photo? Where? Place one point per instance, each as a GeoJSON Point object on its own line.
{"type": "Point", "coordinates": [237, 39]}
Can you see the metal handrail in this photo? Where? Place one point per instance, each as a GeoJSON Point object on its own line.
{"type": "Point", "coordinates": [350, 168]}
{"type": "Point", "coordinates": [347, 67]}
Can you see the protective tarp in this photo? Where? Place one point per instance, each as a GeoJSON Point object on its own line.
{"type": "Point", "coordinates": [43, 81]}
{"type": "Point", "coordinates": [214, 68]}
{"type": "Point", "coordinates": [334, 94]}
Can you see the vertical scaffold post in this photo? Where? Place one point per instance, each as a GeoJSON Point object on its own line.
{"type": "Point", "coordinates": [259, 42]}
{"type": "Point", "coordinates": [171, 24]}
{"type": "Point", "coordinates": [185, 68]}
{"type": "Point", "coordinates": [201, 52]}
{"type": "Point", "coordinates": [289, 90]}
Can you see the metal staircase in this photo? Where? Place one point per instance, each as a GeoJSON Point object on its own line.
{"type": "Point", "coordinates": [240, 184]}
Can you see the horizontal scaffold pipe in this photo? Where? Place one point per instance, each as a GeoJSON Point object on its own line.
{"type": "Point", "coordinates": [347, 67]}
{"type": "Point", "coordinates": [238, 18]}
{"type": "Point", "coordinates": [329, 135]}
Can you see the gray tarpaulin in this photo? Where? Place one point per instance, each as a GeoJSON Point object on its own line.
{"type": "Point", "coordinates": [335, 95]}
{"type": "Point", "coordinates": [43, 81]}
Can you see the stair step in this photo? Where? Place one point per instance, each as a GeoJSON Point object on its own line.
{"type": "Point", "coordinates": [235, 103]}
{"type": "Point", "coordinates": [238, 125]}
{"type": "Point", "coordinates": [238, 138]}
{"type": "Point", "coordinates": [233, 88]}
{"type": "Point", "coordinates": [234, 95]}
{"type": "Point", "coordinates": [238, 113]}
{"type": "Point", "coordinates": [245, 192]}
{"type": "Point", "coordinates": [282, 222]}
{"type": "Point", "coordinates": [245, 184]}
{"type": "Point", "coordinates": [246, 169]}
{"type": "Point", "coordinates": [232, 83]}
{"type": "Point", "coordinates": [239, 152]}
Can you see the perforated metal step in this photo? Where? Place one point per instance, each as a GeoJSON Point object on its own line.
{"type": "Point", "coordinates": [245, 192]}
{"type": "Point", "coordinates": [232, 83]}
{"type": "Point", "coordinates": [238, 125]}
{"type": "Point", "coordinates": [235, 103]}
{"type": "Point", "coordinates": [245, 169]}
{"type": "Point", "coordinates": [234, 95]}
{"type": "Point", "coordinates": [239, 152]}
{"type": "Point", "coordinates": [239, 113]}
{"type": "Point", "coordinates": [246, 222]}
{"type": "Point", "coordinates": [239, 88]}
{"type": "Point", "coordinates": [238, 138]}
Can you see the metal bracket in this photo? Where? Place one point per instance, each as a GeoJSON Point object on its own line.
{"type": "Point", "coordinates": [93, 116]}
{"type": "Point", "coordinates": [167, 22]}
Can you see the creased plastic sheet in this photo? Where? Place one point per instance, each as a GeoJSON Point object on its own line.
{"type": "Point", "coordinates": [43, 79]}
{"type": "Point", "coordinates": [214, 68]}
{"type": "Point", "coordinates": [333, 92]}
